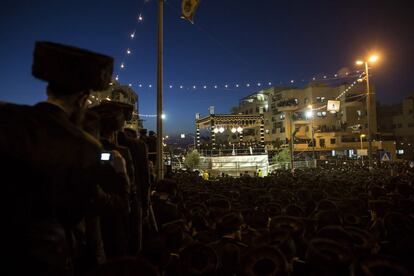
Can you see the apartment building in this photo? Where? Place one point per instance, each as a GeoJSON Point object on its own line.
{"type": "Point", "coordinates": [302, 113]}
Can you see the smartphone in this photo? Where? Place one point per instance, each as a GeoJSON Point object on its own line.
{"type": "Point", "coordinates": [106, 156]}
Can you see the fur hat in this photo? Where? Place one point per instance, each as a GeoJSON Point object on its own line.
{"type": "Point", "coordinates": [69, 69]}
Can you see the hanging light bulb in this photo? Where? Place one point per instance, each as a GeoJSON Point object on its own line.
{"type": "Point", "coordinates": [215, 130]}
{"type": "Point", "coordinates": [237, 85]}
{"type": "Point", "coordinates": [140, 18]}
{"type": "Point", "coordinates": [269, 83]}
{"type": "Point", "coordinates": [292, 81]}
{"type": "Point", "coordinates": [239, 129]}
{"type": "Point", "coordinates": [205, 86]}
{"type": "Point", "coordinates": [221, 129]}
{"type": "Point", "coordinates": [181, 87]}
{"type": "Point", "coordinates": [233, 130]}
{"type": "Point", "coordinates": [116, 78]}
{"type": "Point", "coordinates": [150, 86]}
{"type": "Point", "coordinates": [140, 85]}
{"type": "Point", "coordinates": [248, 84]}
{"type": "Point", "coordinates": [132, 35]}
{"type": "Point", "coordinates": [171, 86]}
{"type": "Point", "coordinates": [226, 86]}
{"type": "Point", "coordinates": [259, 84]}
{"type": "Point", "coordinates": [128, 51]}
{"type": "Point", "coordinates": [122, 65]}
{"type": "Point", "coordinates": [215, 86]}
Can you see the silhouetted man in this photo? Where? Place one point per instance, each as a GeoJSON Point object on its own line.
{"type": "Point", "coordinates": [50, 167]}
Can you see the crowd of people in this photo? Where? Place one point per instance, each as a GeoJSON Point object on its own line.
{"type": "Point", "coordinates": [80, 198]}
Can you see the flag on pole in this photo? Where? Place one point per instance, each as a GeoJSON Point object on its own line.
{"type": "Point", "coordinates": [188, 8]}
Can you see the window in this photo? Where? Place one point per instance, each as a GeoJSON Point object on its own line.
{"type": "Point", "coordinates": [282, 116]}
{"type": "Point", "coordinates": [333, 141]}
{"type": "Point", "coordinates": [282, 129]}
{"type": "Point", "coordinates": [273, 130]}
{"type": "Point", "coordinates": [322, 142]}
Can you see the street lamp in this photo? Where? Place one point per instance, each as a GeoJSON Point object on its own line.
{"type": "Point", "coordinates": [371, 59]}
{"type": "Point", "coordinates": [362, 156]}
{"type": "Point", "coordinates": [309, 115]}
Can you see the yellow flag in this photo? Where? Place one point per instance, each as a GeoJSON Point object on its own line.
{"type": "Point", "coordinates": [188, 8]}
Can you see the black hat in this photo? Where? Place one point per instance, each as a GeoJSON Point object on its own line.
{"type": "Point", "coordinates": [380, 265]}
{"type": "Point", "coordinates": [71, 69]}
{"type": "Point", "coordinates": [112, 108]}
{"type": "Point", "coordinates": [328, 252]}
{"type": "Point", "coordinates": [294, 225]}
{"type": "Point", "coordinates": [229, 223]}
{"type": "Point", "coordinates": [198, 259]}
{"type": "Point", "coordinates": [265, 261]}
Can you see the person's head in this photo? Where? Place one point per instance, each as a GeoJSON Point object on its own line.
{"type": "Point", "coordinates": [91, 124]}
{"type": "Point", "coordinates": [198, 259]}
{"type": "Point", "coordinates": [131, 133]}
{"type": "Point", "coordinates": [230, 225]}
{"type": "Point", "coordinates": [166, 187]}
{"type": "Point", "coordinates": [142, 132]}
{"type": "Point", "coordinates": [112, 116]}
{"type": "Point", "coordinates": [71, 73]}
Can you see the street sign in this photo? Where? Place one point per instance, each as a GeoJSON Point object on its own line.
{"type": "Point", "coordinates": [362, 152]}
{"type": "Point", "coordinates": [333, 105]}
{"type": "Point", "coordinates": [385, 156]}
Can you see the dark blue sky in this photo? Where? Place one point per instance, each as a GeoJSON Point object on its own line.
{"type": "Point", "coordinates": [231, 42]}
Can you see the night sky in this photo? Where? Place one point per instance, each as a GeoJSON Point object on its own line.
{"type": "Point", "coordinates": [231, 42]}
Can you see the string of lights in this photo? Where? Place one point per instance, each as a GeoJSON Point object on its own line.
{"type": "Point", "coordinates": [360, 78]}
{"type": "Point", "coordinates": [231, 86]}
{"type": "Point", "coordinates": [236, 86]}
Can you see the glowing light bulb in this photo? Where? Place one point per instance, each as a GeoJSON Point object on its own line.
{"type": "Point", "coordinates": [205, 86]}
{"type": "Point", "coordinates": [259, 84]}
{"type": "Point", "coordinates": [128, 51]}
{"type": "Point", "coordinates": [132, 35]}
{"type": "Point", "coordinates": [269, 83]}
{"type": "Point", "coordinates": [237, 85]}
{"type": "Point", "coordinates": [122, 65]}
{"type": "Point", "coordinates": [248, 84]}
{"type": "Point", "coordinates": [171, 86]}
{"type": "Point", "coordinates": [140, 18]}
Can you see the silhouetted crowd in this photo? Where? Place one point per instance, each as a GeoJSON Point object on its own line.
{"type": "Point", "coordinates": [80, 198]}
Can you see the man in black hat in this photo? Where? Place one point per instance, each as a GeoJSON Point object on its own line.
{"type": "Point", "coordinates": [50, 167]}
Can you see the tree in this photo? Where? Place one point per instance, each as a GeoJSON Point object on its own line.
{"type": "Point", "coordinates": [192, 159]}
{"type": "Point", "coordinates": [282, 156]}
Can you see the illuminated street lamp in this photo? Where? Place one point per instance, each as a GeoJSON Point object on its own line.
{"type": "Point", "coordinates": [371, 59]}
{"type": "Point", "coordinates": [309, 115]}
{"type": "Point", "coordinates": [360, 138]}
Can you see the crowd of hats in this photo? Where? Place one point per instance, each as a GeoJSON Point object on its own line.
{"type": "Point", "coordinates": [326, 221]}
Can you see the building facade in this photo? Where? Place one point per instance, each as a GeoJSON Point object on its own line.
{"type": "Point", "coordinates": [302, 113]}
{"type": "Point", "coordinates": [398, 119]}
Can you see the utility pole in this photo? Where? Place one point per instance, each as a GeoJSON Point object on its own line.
{"type": "Point", "coordinates": [369, 136]}
{"type": "Point", "coordinates": [160, 154]}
